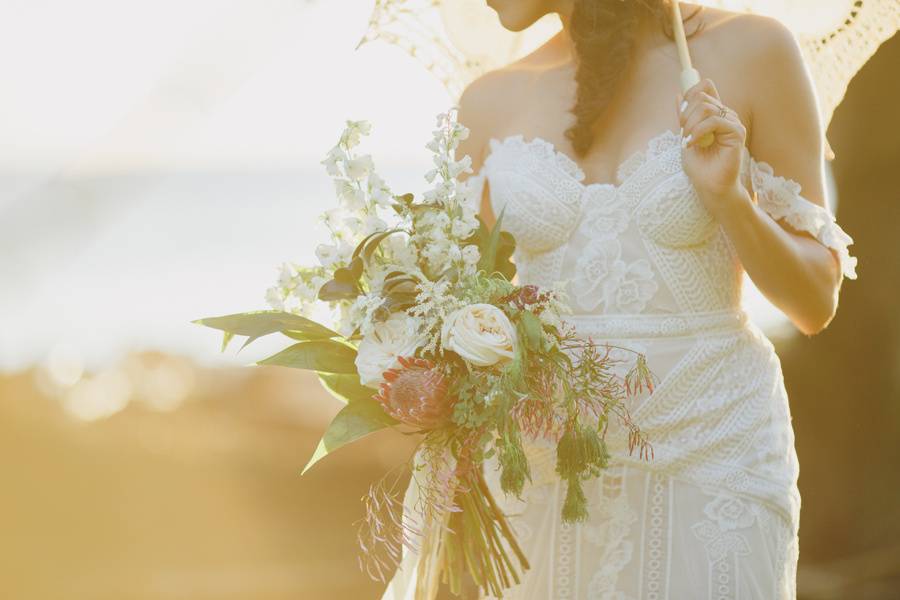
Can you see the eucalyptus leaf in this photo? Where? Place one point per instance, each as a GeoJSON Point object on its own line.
{"type": "Point", "coordinates": [335, 290]}
{"type": "Point", "coordinates": [354, 421]}
{"type": "Point", "coordinates": [327, 356]}
{"type": "Point", "coordinates": [346, 387]}
{"type": "Point", "coordinates": [259, 323]}
{"type": "Point", "coordinates": [530, 325]}
{"type": "Point", "coordinates": [377, 238]}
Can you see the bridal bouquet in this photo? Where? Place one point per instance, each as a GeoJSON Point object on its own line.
{"type": "Point", "coordinates": [430, 335]}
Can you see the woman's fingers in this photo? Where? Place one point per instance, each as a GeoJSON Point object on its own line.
{"type": "Point", "coordinates": [698, 101]}
{"type": "Point", "coordinates": [717, 125]}
{"type": "Point", "coordinates": [699, 112]}
{"type": "Point", "coordinates": [705, 86]}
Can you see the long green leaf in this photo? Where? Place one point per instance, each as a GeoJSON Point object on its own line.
{"type": "Point", "coordinates": [532, 329]}
{"type": "Point", "coordinates": [327, 356]}
{"type": "Point", "coordinates": [346, 387]}
{"type": "Point", "coordinates": [353, 422]}
{"type": "Point", "coordinates": [259, 323]}
{"type": "Point", "coordinates": [496, 247]}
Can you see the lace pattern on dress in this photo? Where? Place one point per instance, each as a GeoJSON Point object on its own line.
{"type": "Point", "coordinates": [780, 197]}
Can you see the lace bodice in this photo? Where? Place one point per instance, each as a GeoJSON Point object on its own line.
{"type": "Point", "coordinates": [644, 244]}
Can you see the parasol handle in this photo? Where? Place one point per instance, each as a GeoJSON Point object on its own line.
{"type": "Point", "coordinates": [689, 75]}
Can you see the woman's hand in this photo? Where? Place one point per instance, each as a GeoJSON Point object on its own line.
{"type": "Point", "coordinates": [714, 170]}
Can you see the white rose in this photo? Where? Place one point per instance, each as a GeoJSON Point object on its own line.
{"type": "Point", "coordinates": [480, 333]}
{"type": "Point", "coordinates": [379, 350]}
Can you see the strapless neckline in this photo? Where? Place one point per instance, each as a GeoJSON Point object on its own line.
{"type": "Point", "coordinates": [623, 172]}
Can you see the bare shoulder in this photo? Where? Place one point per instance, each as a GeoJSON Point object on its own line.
{"type": "Point", "coordinates": [482, 104]}
{"type": "Point", "coordinates": [756, 62]}
{"type": "Point", "coordinates": [749, 41]}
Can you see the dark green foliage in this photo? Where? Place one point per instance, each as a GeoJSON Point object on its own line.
{"type": "Point", "coordinates": [513, 462]}
{"type": "Point", "coordinates": [575, 505]}
{"type": "Point", "coordinates": [257, 324]}
{"type": "Point", "coordinates": [496, 247]}
{"type": "Point", "coordinates": [346, 386]}
{"type": "Point", "coordinates": [327, 356]}
{"type": "Point", "coordinates": [580, 454]}
{"type": "Point", "coordinates": [354, 421]}
{"type": "Point", "coordinates": [345, 283]}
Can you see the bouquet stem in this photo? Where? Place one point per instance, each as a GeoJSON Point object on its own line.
{"type": "Point", "coordinates": [473, 539]}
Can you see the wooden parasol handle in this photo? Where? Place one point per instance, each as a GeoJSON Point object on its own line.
{"type": "Point", "coordinates": [689, 75]}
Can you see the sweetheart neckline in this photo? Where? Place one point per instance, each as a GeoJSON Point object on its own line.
{"type": "Point", "coordinates": [639, 155]}
{"type": "Point", "coordinates": [579, 175]}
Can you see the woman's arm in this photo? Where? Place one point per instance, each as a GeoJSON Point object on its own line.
{"type": "Point", "coordinates": [796, 272]}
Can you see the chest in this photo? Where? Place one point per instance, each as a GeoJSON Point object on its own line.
{"type": "Point", "coordinates": [546, 201]}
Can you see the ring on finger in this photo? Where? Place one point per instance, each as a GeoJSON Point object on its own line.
{"type": "Point", "coordinates": [723, 111]}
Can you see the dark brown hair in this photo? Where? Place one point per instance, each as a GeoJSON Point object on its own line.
{"type": "Point", "coordinates": [604, 33]}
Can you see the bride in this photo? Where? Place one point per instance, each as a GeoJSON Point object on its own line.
{"type": "Point", "coordinates": [589, 146]}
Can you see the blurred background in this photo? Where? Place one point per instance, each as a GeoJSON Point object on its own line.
{"type": "Point", "coordinates": [158, 162]}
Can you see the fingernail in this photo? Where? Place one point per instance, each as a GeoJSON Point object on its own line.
{"type": "Point", "coordinates": [683, 105]}
{"type": "Point", "coordinates": [687, 141]}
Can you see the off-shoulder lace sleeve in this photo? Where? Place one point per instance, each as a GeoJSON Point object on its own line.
{"type": "Point", "coordinates": [780, 197]}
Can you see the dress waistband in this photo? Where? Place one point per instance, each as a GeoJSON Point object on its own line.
{"type": "Point", "coordinates": [658, 325]}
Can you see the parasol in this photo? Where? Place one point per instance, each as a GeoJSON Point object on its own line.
{"type": "Point", "coordinates": [458, 40]}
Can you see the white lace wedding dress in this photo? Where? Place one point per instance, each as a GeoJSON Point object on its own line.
{"type": "Point", "coordinates": [715, 514]}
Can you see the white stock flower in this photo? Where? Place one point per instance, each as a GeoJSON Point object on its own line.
{"type": "Point", "coordinates": [333, 218]}
{"type": "Point", "coordinates": [353, 224]}
{"type": "Point", "coordinates": [462, 228]}
{"type": "Point", "coordinates": [351, 197]}
{"type": "Point", "coordinates": [379, 350]}
{"type": "Point", "coordinates": [372, 224]}
{"type": "Point", "coordinates": [480, 333]}
{"type": "Point", "coordinates": [461, 166]}
{"type": "Point", "coordinates": [379, 191]}
{"type": "Point", "coordinates": [345, 250]}
{"type": "Point", "coordinates": [327, 254]}
{"type": "Point", "coordinates": [335, 155]}
{"type": "Point", "coordinates": [400, 251]}
{"type": "Point", "coordinates": [286, 276]}
{"type": "Point", "coordinates": [359, 168]}
{"type": "Point", "coordinates": [353, 132]}
{"type": "Point", "coordinates": [471, 255]}
{"type": "Point", "coordinates": [274, 298]}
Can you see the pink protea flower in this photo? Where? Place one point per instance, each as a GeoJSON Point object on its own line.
{"type": "Point", "coordinates": [416, 394]}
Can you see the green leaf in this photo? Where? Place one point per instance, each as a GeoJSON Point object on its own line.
{"type": "Point", "coordinates": [505, 250]}
{"type": "Point", "coordinates": [530, 325]}
{"type": "Point", "coordinates": [496, 247]}
{"type": "Point", "coordinates": [377, 239]}
{"type": "Point", "coordinates": [367, 247]}
{"type": "Point", "coordinates": [226, 339]}
{"type": "Point", "coordinates": [263, 322]}
{"type": "Point", "coordinates": [327, 356]}
{"type": "Point", "coordinates": [354, 421]}
{"type": "Point", "coordinates": [339, 288]}
{"type": "Point", "coordinates": [346, 387]}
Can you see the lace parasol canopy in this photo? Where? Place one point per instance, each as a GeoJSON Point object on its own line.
{"type": "Point", "coordinates": [458, 40]}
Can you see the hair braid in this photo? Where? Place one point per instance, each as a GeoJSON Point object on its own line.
{"type": "Point", "coordinates": [604, 34]}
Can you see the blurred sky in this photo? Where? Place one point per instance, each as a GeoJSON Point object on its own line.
{"type": "Point", "coordinates": [159, 160]}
